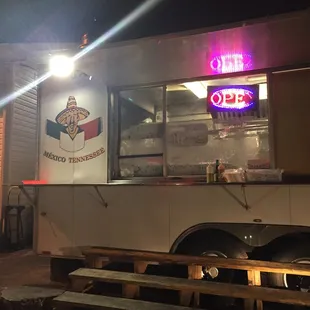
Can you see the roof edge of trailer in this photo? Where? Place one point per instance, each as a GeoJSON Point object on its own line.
{"type": "Point", "coordinates": [199, 31]}
{"type": "Point", "coordinates": [14, 52]}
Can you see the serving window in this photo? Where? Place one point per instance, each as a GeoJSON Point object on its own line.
{"type": "Point", "coordinates": [178, 129]}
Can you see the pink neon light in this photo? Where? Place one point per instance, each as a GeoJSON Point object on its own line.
{"type": "Point", "coordinates": [232, 98]}
{"type": "Point", "coordinates": [231, 63]}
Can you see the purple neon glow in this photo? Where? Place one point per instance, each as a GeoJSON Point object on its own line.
{"type": "Point", "coordinates": [231, 98]}
{"type": "Point", "coordinates": [234, 62]}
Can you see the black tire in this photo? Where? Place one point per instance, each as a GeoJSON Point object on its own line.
{"type": "Point", "coordinates": [217, 242]}
{"type": "Point", "coordinates": [293, 252]}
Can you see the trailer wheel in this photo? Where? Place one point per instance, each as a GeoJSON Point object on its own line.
{"type": "Point", "coordinates": [219, 244]}
{"type": "Point", "coordinates": [299, 254]}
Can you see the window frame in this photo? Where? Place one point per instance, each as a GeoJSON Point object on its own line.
{"type": "Point", "coordinates": [114, 132]}
{"type": "Point", "coordinates": [114, 151]}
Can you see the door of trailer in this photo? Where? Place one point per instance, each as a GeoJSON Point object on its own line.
{"type": "Point", "coordinates": [290, 109]}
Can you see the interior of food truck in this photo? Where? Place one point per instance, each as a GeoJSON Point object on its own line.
{"type": "Point", "coordinates": [178, 129]}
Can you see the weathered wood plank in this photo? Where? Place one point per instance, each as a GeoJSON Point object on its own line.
{"type": "Point", "coordinates": [204, 287]}
{"type": "Point", "coordinates": [95, 261]}
{"type": "Point", "coordinates": [104, 302]}
{"type": "Point", "coordinates": [194, 272]}
{"type": "Point", "coordinates": [133, 291]}
{"type": "Point", "coordinates": [228, 263]}
{"type": "Point", "coordinates": [254, 278]}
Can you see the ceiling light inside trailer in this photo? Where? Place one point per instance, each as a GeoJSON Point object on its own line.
{"type": "Point", "coordinates": [197, 88]}
{"type": "Point", "coordinates": [263, 92]}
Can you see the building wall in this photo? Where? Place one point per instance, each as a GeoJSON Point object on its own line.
{"type": "Point", "coordinates": [2, 146]}
{"type": "Point", "coordinates": [5, 86]}
{"type": "Point", "coordinates": [21, 140]}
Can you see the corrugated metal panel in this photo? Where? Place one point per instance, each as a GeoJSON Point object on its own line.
{"type": "Point", "coordinates": [23, 129]}
{"type": "Point", "coordinates": [21, 138]}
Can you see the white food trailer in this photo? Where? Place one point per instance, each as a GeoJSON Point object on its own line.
{"type": "Point", "coordinates": [124, 144]}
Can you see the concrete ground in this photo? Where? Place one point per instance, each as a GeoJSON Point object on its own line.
{"type": "Point", "coordinates": [24, 268]}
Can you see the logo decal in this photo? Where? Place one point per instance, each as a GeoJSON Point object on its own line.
{"type": "Point", "coordinates": [72, 135]}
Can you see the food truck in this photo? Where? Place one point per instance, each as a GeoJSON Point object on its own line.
{"type": "Point", "coordinates": [129, 143]}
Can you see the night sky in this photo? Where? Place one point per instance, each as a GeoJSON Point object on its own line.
{"type": "Point", "coordinates": [67, 20]}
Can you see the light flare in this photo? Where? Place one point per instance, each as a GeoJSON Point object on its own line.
{"type": "Point", "coordinates": [17, 93]}
{"type": "Point", "coordinates": [130, 18]}
{"type": "Point", "coordinates": [126, 21]}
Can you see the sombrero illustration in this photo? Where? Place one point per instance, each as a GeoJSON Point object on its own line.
{"type": "Point", "coordinates": [71, 108]}
{"type": "Point", "coordinates": [66, 128]}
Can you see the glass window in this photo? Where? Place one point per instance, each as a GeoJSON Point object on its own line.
{"type": "Point", "coordinates": [195, 136]}
{"type": "Point", "coordinates": [141, 132]}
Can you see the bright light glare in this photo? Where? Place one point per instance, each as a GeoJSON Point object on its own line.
{"type": "Point", "coordinates": [141, 10]}
{"type": "Point", "coordinates": [197, 88]}
{"type": "Point", "coordinates": [21, 91]}
{"type": "Point", "coordinates": [125, 22]}
{"type": "Point", "coordinates": [263, 93]}
{"type": "Point", "coordinates": [61, 66]}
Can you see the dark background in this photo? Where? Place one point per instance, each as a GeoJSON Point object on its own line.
{"type": "Point", "coordinates": [67, 20]}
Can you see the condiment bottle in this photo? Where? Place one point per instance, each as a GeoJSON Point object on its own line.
{"type": "Point", "coordinates": [209, 172]}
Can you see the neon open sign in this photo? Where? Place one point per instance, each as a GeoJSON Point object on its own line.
{"type": "Point", "coordinates": [232, 98]}
{"type": "Point", "coordinates": [227, 63]}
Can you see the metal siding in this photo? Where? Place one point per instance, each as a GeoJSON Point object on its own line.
{"type": "Point", "coordinates": [5, 88]}
{"type": "Point", "coordinates": [21, 140]}
{"type": "Point", "coordinates": [290, 111]}
{"type": "Point", "coordinates": [274, 43]}
{"type": "Point", "coordinates": [23, 133]}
